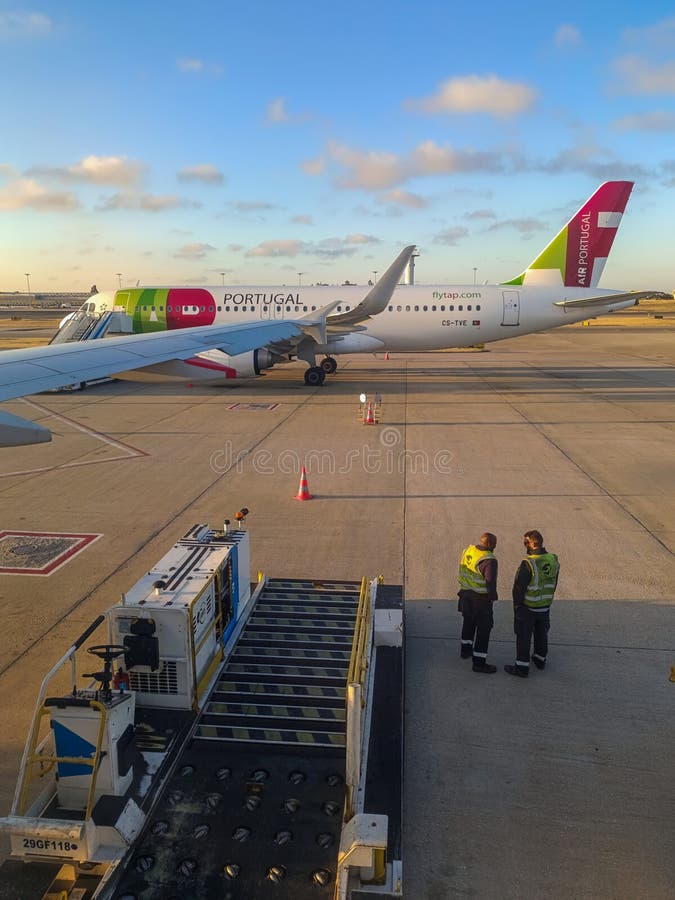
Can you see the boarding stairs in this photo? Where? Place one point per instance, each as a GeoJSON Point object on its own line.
{"type": "Point", "coordinates": [77, 328]}
{"type": "Point", "coordinates": [84, 326]}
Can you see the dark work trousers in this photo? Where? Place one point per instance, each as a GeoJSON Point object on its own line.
{"type": "Point", "coordinates": [476, 612]}
{"type": "Point", "coordinates": [526, 623]}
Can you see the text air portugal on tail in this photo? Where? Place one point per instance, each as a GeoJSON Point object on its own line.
{"type": "Point", "coordinates": [577, 255]}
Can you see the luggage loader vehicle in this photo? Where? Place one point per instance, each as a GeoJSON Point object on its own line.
{"type": "Point", "coordinates": [235, 740]}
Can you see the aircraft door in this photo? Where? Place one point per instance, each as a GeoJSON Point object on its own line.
{"type": "Point", "coordinates": [264, 308]}
{"type": "Point", "coordinates": [511, 313]}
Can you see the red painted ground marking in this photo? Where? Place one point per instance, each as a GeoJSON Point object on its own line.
{"type": "Point", "coordinates": [34, 547]}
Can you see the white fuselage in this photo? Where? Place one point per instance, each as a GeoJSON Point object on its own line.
{"type": "Point", "coordinates": [418, 317]}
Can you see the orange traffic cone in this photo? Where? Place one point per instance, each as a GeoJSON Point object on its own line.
{"type": "Point", "coordinates": [370, 417]}
{"type": "Point", "coordinates": [303, 490]}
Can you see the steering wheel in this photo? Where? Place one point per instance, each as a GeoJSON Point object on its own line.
{"type": "Point", "coordinates": [107, 652]}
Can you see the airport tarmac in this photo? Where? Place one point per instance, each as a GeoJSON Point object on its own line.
{"type": "Point", "coordinates": [559, 788]}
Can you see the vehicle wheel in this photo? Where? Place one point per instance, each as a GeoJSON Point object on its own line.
{"type": "Point", "coordinates": [329, 365]}
{"type": "Point", "coordinates": [314, 376]}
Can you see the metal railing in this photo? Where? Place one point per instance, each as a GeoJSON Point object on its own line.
{"type": "Point", "coordinates": [356, 696]}
{"type": "Point", "coordinates": [34, 752]}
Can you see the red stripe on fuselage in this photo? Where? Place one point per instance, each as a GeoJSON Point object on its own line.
{"type": "Point", "coordinates": [200, 363]}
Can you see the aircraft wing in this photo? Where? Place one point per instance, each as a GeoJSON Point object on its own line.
{"type": "Point", "coordinates": [36, 369]}
{"type": "Point", "coordinates": [611, 299]}
{"type": "Point", "coordinates": [379, 295]}
{"type": "Point", "coordinates": [317, 325]}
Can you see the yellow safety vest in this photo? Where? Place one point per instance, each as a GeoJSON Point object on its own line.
{"type": "Point", "coordinates": [470, 578]}
{"type": "Point", "coordinates": [540, 590]}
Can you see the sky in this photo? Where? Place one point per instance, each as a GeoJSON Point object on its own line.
{"type": "Point", "coordinates": [307, 142]}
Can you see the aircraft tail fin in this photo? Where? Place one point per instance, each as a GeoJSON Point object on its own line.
{"type": "Point", "coordinates": [578, 253]}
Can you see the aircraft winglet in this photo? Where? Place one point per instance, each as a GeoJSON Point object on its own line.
{"type": "Point", "coordinates": [380, 294]}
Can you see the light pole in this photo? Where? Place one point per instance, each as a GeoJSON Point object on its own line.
{"type": "Point", "coordinates": [375, 274]}
{"type": "Point", "coordinates": [300, 274]}
{"type": "Point", "coordinates": [119, 279]}
{"type": "Point", "coordinates": [28, 281]}
{"type": "Point", "coordinates": [222, 275]}
{"type": "Point", "coordinates": [474, 274]}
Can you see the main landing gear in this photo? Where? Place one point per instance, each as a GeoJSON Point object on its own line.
{"type": "Point", "coordinates": [329, 365]}
{"type": "Point", "coordinates": [315, 376]}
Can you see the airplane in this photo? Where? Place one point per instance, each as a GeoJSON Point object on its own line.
{"type": "Point", "coordinates": [559, 287]}
{"type": "Point", "coordinates": [218, 334]}
{"type": "Point", "coordinates": [242, 342]}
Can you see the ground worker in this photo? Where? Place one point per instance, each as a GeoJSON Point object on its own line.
{"type": "Point", "coordinates": [477, 592]}
{"type": "Point", "coordinates": [533, 590]}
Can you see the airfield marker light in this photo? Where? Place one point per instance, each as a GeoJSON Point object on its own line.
{"type": "Point", "coordinates": [241, 515]}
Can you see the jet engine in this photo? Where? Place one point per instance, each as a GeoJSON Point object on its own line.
{"type": "Point", "coordinates": [212, 366]}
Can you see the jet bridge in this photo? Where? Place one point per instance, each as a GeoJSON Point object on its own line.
{"type": "Point", "coordinates": [241, 740]}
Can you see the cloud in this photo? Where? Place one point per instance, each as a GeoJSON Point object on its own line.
{"type": "Point", "coordinates": [278, 248]}
{"type": "Point", "coordinates": [475, 94]}
{"type": "Point", "coordinates": [361, 239]}
{"type": "Point", "coordinates": [592, 160]}
{"type": "Point", "coordinates": [403, 198]}
{"type": "Point", "coordinates": [116, 170]}
{"type": "Point", "coordinates": [275, 113]}
{"type": "Point", "coordinates": [145, 203]}
{"type": "Point", "coordinates": [451, 236]}
{"type": "Point", "coordinates": [302, 220]}
{"type": "Point", "coordinates": [335, 248]}
{"type": "Point", "coordinates": [567, 35]}
{"type": "Point", "coordinates": [25, 193]}
{"type": "Point", "coordinates": [524, 226]}
{"type": "Point", "coordinates": [197, 66]}
{"type": "Point", "coordinates": [328, 248]}
{"type": "Point", "coordinates": [189, 65]}
{"type": "Point", "coordinates": [193, 251]}
{"type": "Point", "coordinates": [480, 214]}
{"type": "Point", "coordinates": [313, 166]}
{"type": "Point", "coordinates": [236, 248]}
{"type": "Point", "coordinates": [206, 173]}
{"type": "Point", "coordinates": [656, 121]}
{"type": "Point", "coordinates": [246, 206]}
{"type": "Point", "coordinates": [638, 76]}
{"type": "Point", "coordinates": [661, 35]}
{"type": "Point", "coordinates": [379, 171]}
{"type": "Point", "coordinates": [18, 25]}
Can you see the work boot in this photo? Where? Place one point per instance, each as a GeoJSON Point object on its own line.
{"type": "Point", "coordinates": [466, 652]}
{"type": "Point", "coordinates": [539, 663]}
{"type": "Point", "coordinates": [519, 671]}
{"type": "Point", "coordinates": [486, 668]}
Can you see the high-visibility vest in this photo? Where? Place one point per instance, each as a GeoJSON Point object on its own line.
{"type": "Point", "coordinates": [470, 578]}
{"type": "Point", "coordinates": [540, 590]}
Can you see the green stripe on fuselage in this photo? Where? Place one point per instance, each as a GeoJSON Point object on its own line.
{"type": "Point", "coordinates": [147, 307]}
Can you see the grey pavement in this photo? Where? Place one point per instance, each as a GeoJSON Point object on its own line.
{"type": "Point", "coordinates": [560, 786]}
